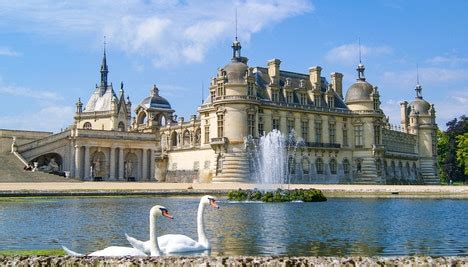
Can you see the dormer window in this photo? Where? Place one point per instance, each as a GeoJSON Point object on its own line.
{"type": "Point", "coordinates": [289, 97]}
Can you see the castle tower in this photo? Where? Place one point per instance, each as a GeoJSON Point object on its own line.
{"type": "Point", "coordinates": [422, 124]}
{"type": "Point", "coordinates": [364, 99]}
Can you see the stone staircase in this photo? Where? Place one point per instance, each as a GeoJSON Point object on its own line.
{"type": "Point", "coordinates": [11, 171]}
{"type": "Point", "coordinates": [235, 168]}
{"type": "Point", "coordinates": [428, 170]}
{"type": "Point", "coordinates": [368, 173]}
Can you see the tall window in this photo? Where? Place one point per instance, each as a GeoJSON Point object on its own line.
{"type": "Point", "coordinates": [331, 102]}
{"type": "Point", "coordinates": [220, 89]}
{"type": "Point", "coordinates": [317, 101]}
{"type": "Point", "coordinates": [319, 165]}
{"type": "Point", "coordinates": [250, 89]}
{"type": "Point", "coordinates": [358, 133]}
{"type": "Point", "coordinates": [376, 104]}
{"type": "Point", "coordinates": [305, 166]}
{"type": "Point", "coordinates": [318, 131]}
{"type": "Point", "coordinates": [346, 166]}
{"type": "Point", "coordinates": [212, 95]}
{"type": "Point", "coordinates": [251, 124]}
{"type": "Point", "coordinates": [345, 135]}
{"type": "Point", "coordinates": [305, 130]}
{"type": "Point", "coordinates": [276, 124]}
{"type": "Point", "coordinates": [332, 166]}
{"type": "Point", "coordinates": [289, 97]}
{"type": "Point", "coordinates": [332, 131]}
{"type": "Point", "coordinates": [220, 125]}
{"type": "Point", "coordinates": [260, 126]}
{"type": "Point", "coordinates": [290, 125]}
{"type": "Point", "coordinates": [292, 165]}
{"type": "Point", "coordinates": [121, 127]}
{"type": "Point", "coordinates": [303, 99]}
{"type": "Point", "coordinates": [274, 96]}
{"type": "Point", "coordinates": [87, 126]}
{"type": "Point", "coordinates": [207, 134]}
{"type": "Point", "coordinates": [376, 135]}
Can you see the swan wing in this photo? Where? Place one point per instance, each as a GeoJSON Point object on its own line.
{"type": "Point", "coordinates": [71, 252]}
{"type": "Point", "coordinates": [116, 251]}
{"type": "Point", "coordinates": [143, 246]}
{"type": "Point", "coordinates": [178, 243]}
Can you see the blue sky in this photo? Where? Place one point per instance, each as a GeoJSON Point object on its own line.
{"type": "Point", "coordinates": [50, 51]}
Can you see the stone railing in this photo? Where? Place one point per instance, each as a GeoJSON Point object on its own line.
{"type": "Point", "coordinates": [397, 141]}
{"type": "Point", "coordinates": [47, 140]}
{"type": "Point", "coordinates": [115, 135]}
{"type": "Point", "coordinates": [305, 107]}
{"type": "Point", "coordinates": [236, 97]}
{"type": "Point", "coordinates": [314, 144]}
{"type": "Point", "coordinates": [218, 141]}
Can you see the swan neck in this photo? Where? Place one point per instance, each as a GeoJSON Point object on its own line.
{"type": "Point", "coordinates": [201, 226]}
{"type": "Point", "coordinates": [154, 246]}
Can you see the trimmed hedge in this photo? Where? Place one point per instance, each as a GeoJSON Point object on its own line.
{"type": "Point", "coordinates": [306, 195]}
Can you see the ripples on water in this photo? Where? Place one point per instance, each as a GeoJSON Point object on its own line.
{"type": "Point", "coordinates": [337, 227]}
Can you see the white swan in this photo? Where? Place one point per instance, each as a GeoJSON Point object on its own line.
{"type": "Point", "coordinates": [176, 243]}
{"type": "Point", "coordinates": [116, 251]}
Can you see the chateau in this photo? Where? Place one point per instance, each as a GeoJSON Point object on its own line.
{"type": "Point", "coordinates": [345, 136]}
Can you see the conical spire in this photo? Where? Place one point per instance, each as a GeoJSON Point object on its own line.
{"type": "Point", "coordinates": [104, 70]}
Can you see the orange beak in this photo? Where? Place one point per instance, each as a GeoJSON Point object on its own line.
{"type": "Point", "coordinates": [213, 204]}
{"type": "Point", "coordinates": [167, 215]}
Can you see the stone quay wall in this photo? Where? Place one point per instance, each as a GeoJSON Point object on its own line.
{"type": "Point", "coordinates": [272, 261]}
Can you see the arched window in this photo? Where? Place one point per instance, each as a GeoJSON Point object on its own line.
{"type": "Point", "coordinates": [393, 168]}
{"type": "Point", "coordinates": [385, 167]}
{"type": "Point", "coordinates": [408, 171]}
{"type": "Point", "coordinates": [319, 165]}
{"type": "Point", "coordinates": [163, 120]}
{"type": "Point", "coordinates": [292, 165]}
{"type": "Point", "coordinates": [121, 126]}
{"type": "Point", "coordinates": [332, 164]}
{"type": "Point", "coordinates": [186, 138]}
{"type": "Point", "coordinates": [87, 126]}
{"type": "Point", "coordinates": [305, 166]}
{"type": "Point", "coordinates": [346, 166]}
{"type": "Point", "coordinates": [174, 139]}
{"type": "Point", "coordinates": [415, 171]}
{"type": "Point", "coordinates": [400, 169]}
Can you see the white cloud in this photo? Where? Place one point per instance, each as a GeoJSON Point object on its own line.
{"type": "Point", "coordinates": [431, 75]}
{"type": "Point", "coordinates": [167, 31]}
{"type": "Point", "coordinates": [50, 118]}
{"type": "Point", "coordinates": [5, 51]}
{"type": "Point", "coordinates": [450, 60]}
{"type": "Point", "coordinates": [29, 93]}
{"type": "Point", "coordinates": [349, 53]}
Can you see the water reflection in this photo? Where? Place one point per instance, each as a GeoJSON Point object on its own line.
{"type": "Point", "coordinates": [336, 227]}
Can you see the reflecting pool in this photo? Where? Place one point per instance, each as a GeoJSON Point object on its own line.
{"type": "Point", "coordinates": [337, 227]}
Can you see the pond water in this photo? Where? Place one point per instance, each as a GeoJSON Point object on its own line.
{"type": "Point", "coordinates": [337, 227]}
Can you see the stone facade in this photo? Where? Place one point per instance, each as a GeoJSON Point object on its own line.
{"type": "Point", "coordinates": [344, 139]}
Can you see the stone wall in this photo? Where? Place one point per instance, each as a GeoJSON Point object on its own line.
{"type": "Point", "coordinates": [232, 261]}
{"type": "Point", "coordinates": [396, 141]}
{"type": "Point", "coordinates": [181, 176]}
{"type": "Point", "coordinates": [22, 137]}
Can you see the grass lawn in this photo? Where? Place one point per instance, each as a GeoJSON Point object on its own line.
{"type": "Point", "coordinates": [40, 252]}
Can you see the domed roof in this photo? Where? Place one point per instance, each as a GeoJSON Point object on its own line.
{"type": "Point", "coordinates": [421, 106]}
{"type": "Point", "coordinates": [360, 90]}
{"type": "Point", "coordinates": [236, 71]}
{"type": "Point", "coordinates": [155, 100]}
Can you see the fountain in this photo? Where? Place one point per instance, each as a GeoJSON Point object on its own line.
{"type": "Point", "coordinates": [269, 157]}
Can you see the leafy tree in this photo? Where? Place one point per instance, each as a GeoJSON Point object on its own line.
{"type": "Point", "coordinates": [442, 150]}
{"type": "Point", "coordinates": [462, 152]}
{"type": "Point", "coordinates": [453, 166]}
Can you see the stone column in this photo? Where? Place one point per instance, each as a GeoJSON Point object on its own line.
{"type": "Point", "coordinates": [121, 163]}
{"type": "Point", "coordinates": [151, 161]}
{"type": "Point", "coordinates": [144, 164]}
{"type": "Point", "coordinates": [78, 163]}
{"type": "Point", "coordinates": [86, 163]}
{"type": "Point", "coordinates": [112, 163]}
{"type": "Point", "coordinates": [71, 161]}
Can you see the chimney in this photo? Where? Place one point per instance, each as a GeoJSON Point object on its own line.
{"type": "Point", "coordinates": [337, 83]}
{"type": "Point", "coordinates": [404, 115]}
{"type": "Point", "coordinates": [314, 76]}
{"type": "Point", "coordinates": [274, 69]}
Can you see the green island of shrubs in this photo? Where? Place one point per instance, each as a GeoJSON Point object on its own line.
{"type": "Point", "coordinates": [306, 195]}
